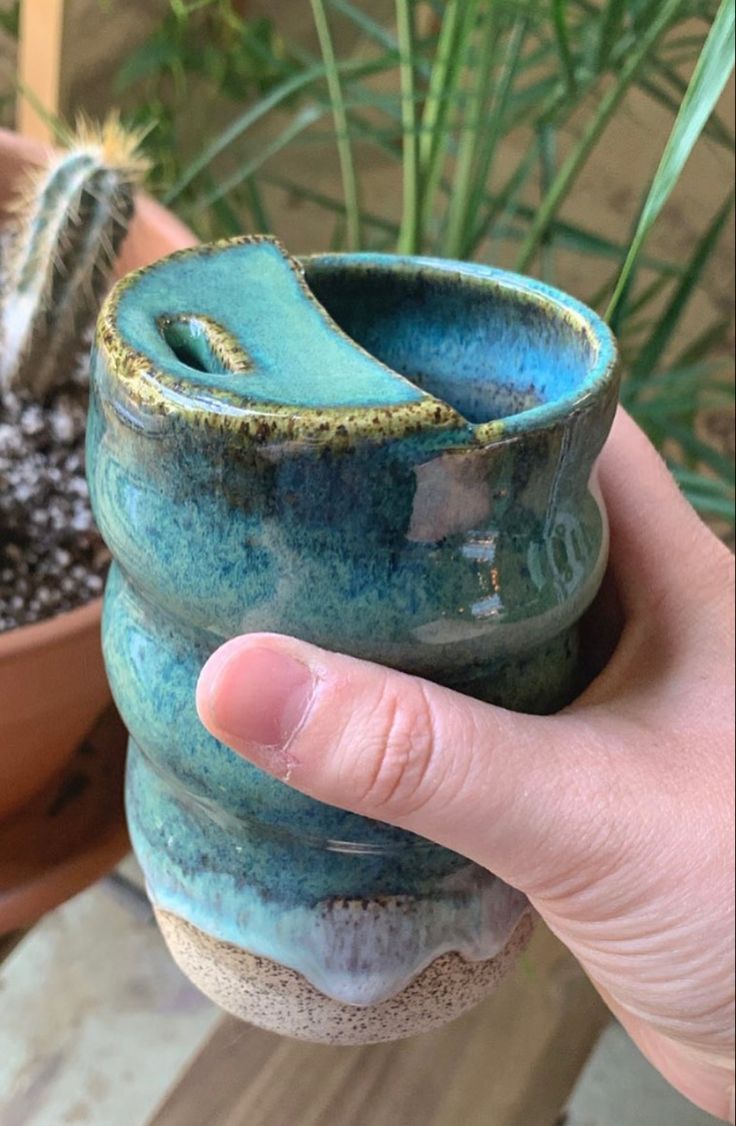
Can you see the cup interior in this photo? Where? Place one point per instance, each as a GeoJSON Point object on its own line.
{"type": "Point", "coordinates": [490, 345]}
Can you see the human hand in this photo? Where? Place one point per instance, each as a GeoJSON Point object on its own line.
{"type": "Point", "coordinates": [615, 816]}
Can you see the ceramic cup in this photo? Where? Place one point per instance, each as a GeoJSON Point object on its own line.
{"type": "Point", "coordinates": [387, 456]}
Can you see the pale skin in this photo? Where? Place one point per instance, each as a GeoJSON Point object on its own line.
{"type": "Point", "coordinates": [615, 816]}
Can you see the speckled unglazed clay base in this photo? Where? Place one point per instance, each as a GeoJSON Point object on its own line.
{"type": "Point", "coordinates": [279, 999]}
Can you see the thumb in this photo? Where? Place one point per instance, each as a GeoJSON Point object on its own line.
{"type": "Point", "coordinates": [525, 796]}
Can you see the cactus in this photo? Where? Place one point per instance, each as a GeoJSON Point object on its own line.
{"type": "Point", "coordinates": [71, 218]}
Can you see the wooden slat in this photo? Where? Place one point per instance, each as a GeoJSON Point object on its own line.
{"type": "Point", "coordinates": [39, 63]}
{"type": "Point", "coordinates": [511, 1062]}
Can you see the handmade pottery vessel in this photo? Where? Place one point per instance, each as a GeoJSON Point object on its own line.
{"type": "Point", "coordinates": [391, 457]}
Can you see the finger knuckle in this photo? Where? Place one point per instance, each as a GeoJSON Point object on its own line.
{"type": "Point", "coordinates": [402, 751]}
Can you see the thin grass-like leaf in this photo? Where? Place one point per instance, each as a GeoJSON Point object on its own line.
{"type": "Point", "coordinates": [410, 223]}
{"type": "Point", "coordinates": [63, 134]}
{"type": "Point", "coordinates": [364, 23]}
{"type": "Point", "coordinates": [690, 388]}
{"type": "Point", "coordinates": [620, 316]}
{"type": "Point", "coordinates": [651, 353]}
{"type": "Point", "coordinates": [599, 295]}
{"type": "Point", "coordinates": [257, 205]}
{"type": "Point", "coordinates": [493, 130]}
{"type": "Point", "coordinates": [612, 20]}
{"type": "Point", "coordinates": [298, 124]}
{"type": "Point", "coordinates": [547, 160]}
{"type": "Point", "coordinates": [239, 126]}
{"type": "Point", "coordinates": [665, 70]}
{"type": "Point", "coordinates": [230, 222]}
{"type": "Point", "coordinates": [438, 99]}
{"type": "Point", "coordinates": [713, 335]}
{"type": "Point", "coordinates": [592, 133]}
{"type": "Point", "coordinates": [715, 127]}
{"type": "Point", "coordinates": [506, 203]}
{"type": "Point", "coordinates": [559, 19]}
{"type": "Point", "coordinates": [356, 68]}
{"type": "Point", "coordinates": [584, 241]}
{"type": "Point", "coordinates": [649, 294]}
{"type": "Point", "coordinates": [706, 85]}
{"type": "Point", "coordinates": [442, 139]}
{"type": "Point", "coordinates": [710, 496]}
{"type": "Point", "coordinates": [342, 135]}
{"type": "Point", "coordinates": [471, 129]}
{"type": "Point", "coordinates": [328, 203]}
{"type": "Point", "coordinates": [700, 452]}
{"type": "Point", "coordinates": [699, 480]}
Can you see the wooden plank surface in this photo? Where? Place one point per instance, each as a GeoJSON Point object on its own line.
{"type": "Point", "coordinates": [511, 1062]}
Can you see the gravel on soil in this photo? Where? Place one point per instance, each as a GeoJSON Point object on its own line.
{"type": "Point", "coordinates": [52, 558]}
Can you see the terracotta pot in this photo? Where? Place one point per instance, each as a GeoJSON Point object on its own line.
{"type": "Point", "coordinates": [52, 680]}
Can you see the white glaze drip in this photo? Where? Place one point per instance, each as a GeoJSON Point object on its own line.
{"type": "Point", "coordinates": [362, 952]}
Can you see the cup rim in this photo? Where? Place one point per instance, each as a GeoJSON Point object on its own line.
{"type": "Point", "coordinates": [602, 376]}
{"type": "Point", "coordinates": [265, 421]}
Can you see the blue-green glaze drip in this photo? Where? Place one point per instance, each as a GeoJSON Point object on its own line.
{"type": "Point", "coordinates": [454, 532]}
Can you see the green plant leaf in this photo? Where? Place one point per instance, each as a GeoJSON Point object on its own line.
{"type": "Point", "coordinates": [10, 19]}
{"type": "Point", "coordinates": [713, 335]}
{"type": "Point", "coordinates": [700, 481]}
{"type": "Point", "coordinates": [156, 55]}
{"type": "Point", "coordinates": [471, 127]}
{"type": "Point", "coordinates": [409, 234]}
{"type": "Point", "coordinates": [701, 379]}
{"type": "Point", "coordinates": [647, 295]}
{"type": "Point", "coordinates": [506, 203]}
{"type": "Point", "coordinates": [559, 19]}
{"type": "Point", "coordinates": [611, 22]}
{"type": "Point", "coordinates": [706, 85]}
{"type": "Point", "coordinates": [584, 241]}
{"type": "Point", "coordinates": [651, 353]}
{"type": "Point", "coordinates": [714, 126]}
{"type": "Point", "coordinates": [700, 452]}
{"type": "Point", "coordinates": [310, 195]}
{"type": "Point", "coordinates": [497, 118]}
{"type": "Point", "coordinates": [364, 23]}
{"type": "Point", "coordinates": [257, 205]}
{"type": "Point", "coordinates": [437, 102]}
{"type": "Point", "coordinates": [298, 124]}
{"type": "Point", "coordinates": [244, 121]}
{"type": "Point", "coordinates": [350, 183]}
{"type": "Point", "coordinates": [448, 87]}
{"type": "Point", "coordinates": [547, 161]}
{"type": "Point", "coordinates": [607, 106]}
{"type": "Point", "coordinates": [710, 497]}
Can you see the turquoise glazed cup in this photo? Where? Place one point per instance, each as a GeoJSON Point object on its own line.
{"type": "Point", "coordinates": [391, 457]}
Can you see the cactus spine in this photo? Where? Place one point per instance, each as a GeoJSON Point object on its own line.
{"type": "Point", "coordinates": [71, 218]}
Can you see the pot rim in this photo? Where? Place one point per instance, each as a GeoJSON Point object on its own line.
{"type": "Point", "coordinates": [21, 639]}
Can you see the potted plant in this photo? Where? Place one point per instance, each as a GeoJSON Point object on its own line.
{"type": "Point", "coordinates": [52, 681]}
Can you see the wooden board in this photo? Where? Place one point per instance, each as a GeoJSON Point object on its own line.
{"type": "Point", "coordinates": [511, 1062]}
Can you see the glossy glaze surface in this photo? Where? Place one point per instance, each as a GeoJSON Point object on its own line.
{"type": "Point", "coordinates": [390, 457]}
